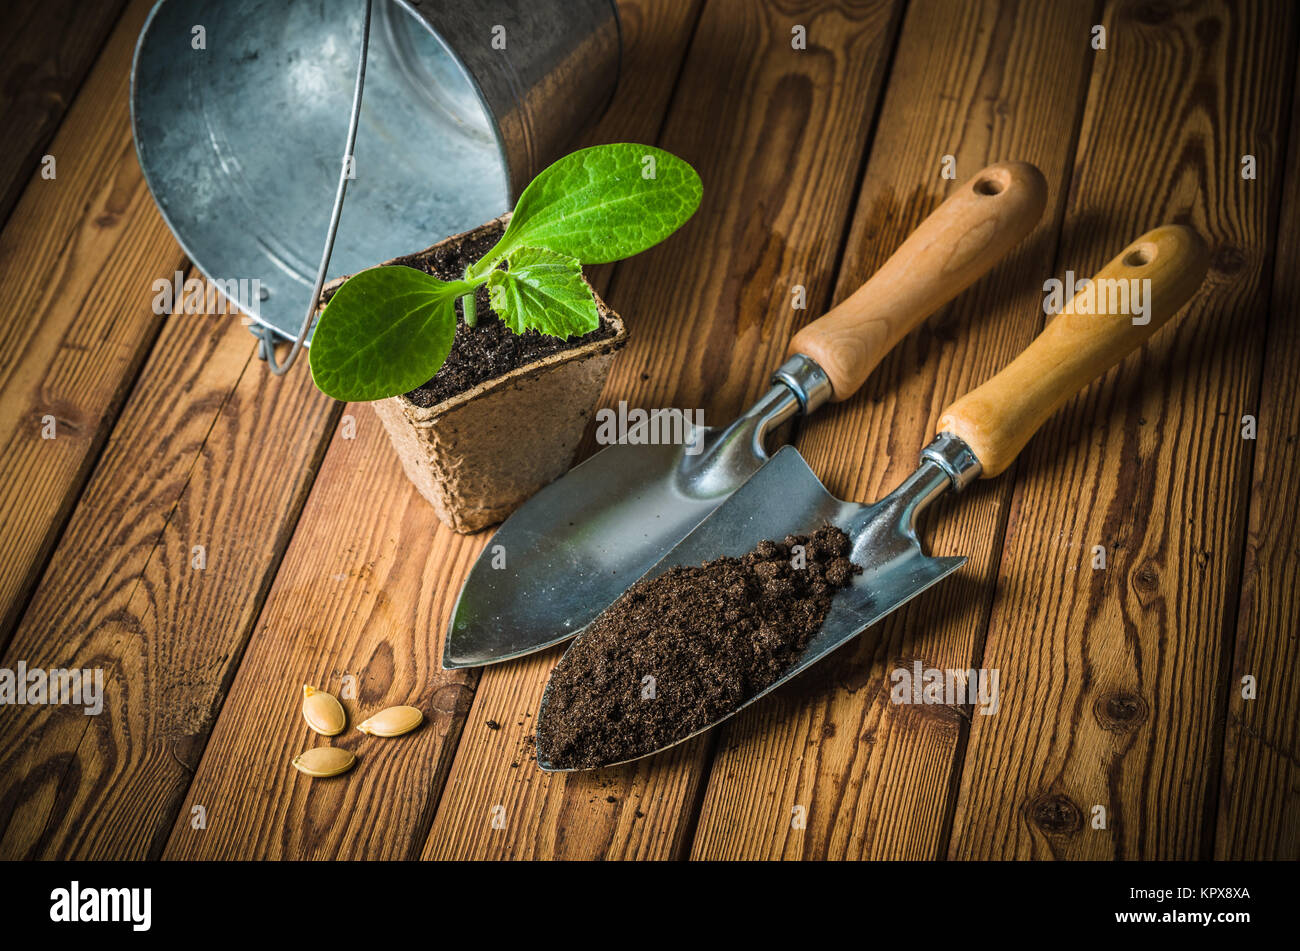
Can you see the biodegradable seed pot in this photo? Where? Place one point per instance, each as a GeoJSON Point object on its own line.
{"type": "Point", "coordinates": [485, 353]}
{"type": "Point", "coordinates": [477, 453]}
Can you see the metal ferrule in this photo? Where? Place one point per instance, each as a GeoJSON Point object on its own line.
{"type": "Point", "coordinates": [808, 381]}
{"type": "Point", "coordinates": [889, 527]}
{"type": "Point", "coordinates": [955, 458]}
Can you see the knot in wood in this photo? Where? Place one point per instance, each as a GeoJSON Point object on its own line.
{"type": "Point", "coordinates": [1146, 579]}
{"type": "Point", "coordinates": [1056, 814]}
{"type": "Point", "coordinates": [1120, 712]}
{"type": "Point", "coordinates": [1152, 12]}
{"type": "Point", "coordinates": [1228, 259]}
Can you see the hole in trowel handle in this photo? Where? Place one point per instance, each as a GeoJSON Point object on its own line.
{"type": "Point", "coordinates": [990, 185]}
{"type": "Point", "coordinates": [1142, 255]}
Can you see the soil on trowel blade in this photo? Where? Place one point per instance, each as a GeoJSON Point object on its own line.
{"type": "Point", "coordinates": [489, 349]}
{"type": "Point", "coordinates": [677, 652]}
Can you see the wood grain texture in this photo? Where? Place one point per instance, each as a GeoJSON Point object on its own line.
{"type": "Point", "coordinates": [359, 594]}
{"type": "Point", "coordinates": [366, 589]}
{"type": "Point", "coordinates": [1259, 801]}
{"type": "Point", "coordinates": [1115, 685]}
{"type": "Point", "coordinates": [210, 451]}
{"type": "Point", "coordinates": [874, 779]}
{"type": "Point", "coordinates": [777, 135]}
{"type": "Point", "coordinates": [77, 259]}
{"type": "Point", "coordinates": [1113, 680]}
{"type": "Point", "coordinates": [46, 50]}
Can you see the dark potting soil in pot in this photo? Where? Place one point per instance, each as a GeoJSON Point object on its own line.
{"type": "Point", "coordinates": [711, 636]}
{"type": "Point", "coordinates": [490, 349]}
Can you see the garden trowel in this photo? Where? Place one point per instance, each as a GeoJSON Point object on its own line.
{"type": "Point", "coordinates": [573, 548]}
{"type": "Point", "coordinates": [979, 436]}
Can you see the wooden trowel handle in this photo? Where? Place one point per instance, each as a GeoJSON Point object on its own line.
{"type": "Point", "coordinates": [1095, 331]}
{"type": "Point", "coordinates": [961, 240]}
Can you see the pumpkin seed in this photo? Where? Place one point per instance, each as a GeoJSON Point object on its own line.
{"type": "Point", "coordinates": [324, 761]}
{"type": "Point", "coordinates": [392, 722]}
{"type": "Point", "coordinates": [323, 713]}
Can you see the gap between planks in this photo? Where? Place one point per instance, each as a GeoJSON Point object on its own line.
{"type": "Point", "coordinates": [48, 61]}
{"type": "Point", "coordinates": [1258, 807]}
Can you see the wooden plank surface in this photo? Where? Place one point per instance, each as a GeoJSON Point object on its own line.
{"type": "Point", "coordinates": [1259, 805]}
{"type": "Point", "coordinates": [778, 136]}
{"type": "Point", "coordinates": [1119, 687]}
{"type": "Point", "coordinates": [1113, 681]}
{"type": "Point", "coordinates": [358, 594]}
{"type": "Point", "coordinates": [366, 590]}
{"type": "Point", "coordinates": [210, 451]}
{"type": "Point", "coordinates": [46, 49]}
{"type": "Point", "coordinates": [77, 259]}
{"type": "Point", "coordinates": [828, 767]}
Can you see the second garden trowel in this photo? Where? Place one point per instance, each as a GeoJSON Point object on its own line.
{"type": "Point", "coordinates": [576, 545]}
{"type": "Point", "coordinates": [979, 436]}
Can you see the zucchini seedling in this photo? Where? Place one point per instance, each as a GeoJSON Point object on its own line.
{"type": "Point", "coordinates": [389, 329]}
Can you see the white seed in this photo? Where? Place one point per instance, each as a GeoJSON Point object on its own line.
{"type": "Point", "coordinates": [324, 761]}
{"type": "Point", "coordinates": [392, 722]}
{"type": "Point", "coordinates": [322, 712]}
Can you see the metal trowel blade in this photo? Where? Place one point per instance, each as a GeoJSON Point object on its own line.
{"type": "Point", "coordinates": [576, 545]}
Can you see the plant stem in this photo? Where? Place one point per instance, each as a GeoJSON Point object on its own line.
{"type": "Point", "coordinates": [467, 305]}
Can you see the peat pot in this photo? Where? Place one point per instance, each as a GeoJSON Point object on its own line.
{"type": "Point", "coordinates": [478, 455]}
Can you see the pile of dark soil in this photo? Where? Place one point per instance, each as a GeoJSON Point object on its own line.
{"type": "Point", "coordinates": [711, 637]}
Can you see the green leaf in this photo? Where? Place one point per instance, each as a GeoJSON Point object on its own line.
{"type": "Point", "coordinates": [601, 204]}
{"type": "Point", "coordinates": [543, 291]}
{"type": "Point", "coordinates": [384, 332]}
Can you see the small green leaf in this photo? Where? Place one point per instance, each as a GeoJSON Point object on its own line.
{"type": "Point", "coordinates": [384, 332]}
{"type": "Point", "coordinates": [543, 291]}
{"type": "Point", "coordinates": [601, 204]}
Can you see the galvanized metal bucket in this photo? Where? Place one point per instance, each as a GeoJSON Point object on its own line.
{"type": "Point", "coordinates": [240, 110]}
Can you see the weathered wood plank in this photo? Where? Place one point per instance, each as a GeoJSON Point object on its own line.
{"type": "Point", "coordinates": [366, 589]}
{"type": "Point", "coordinates": [1259, 804]}
{"type": "Point", "coordinates": [829, 767]}
{"type": "Point", "coordinates": [1113, 681]}
{"type": "Point", "coordinates": [359, 594]}
{"type": "Point", "coordinates": [46, 49]}
{"type": "Point", "coordinates": [77, 258]}
{"type": "Point", "coordinates": [778, 136]}
{"type": "Point", "coordinates": [210, 451]}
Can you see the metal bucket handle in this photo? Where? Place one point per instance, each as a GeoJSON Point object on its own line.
{"type": "Point", "coordinates": [266, 336]}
